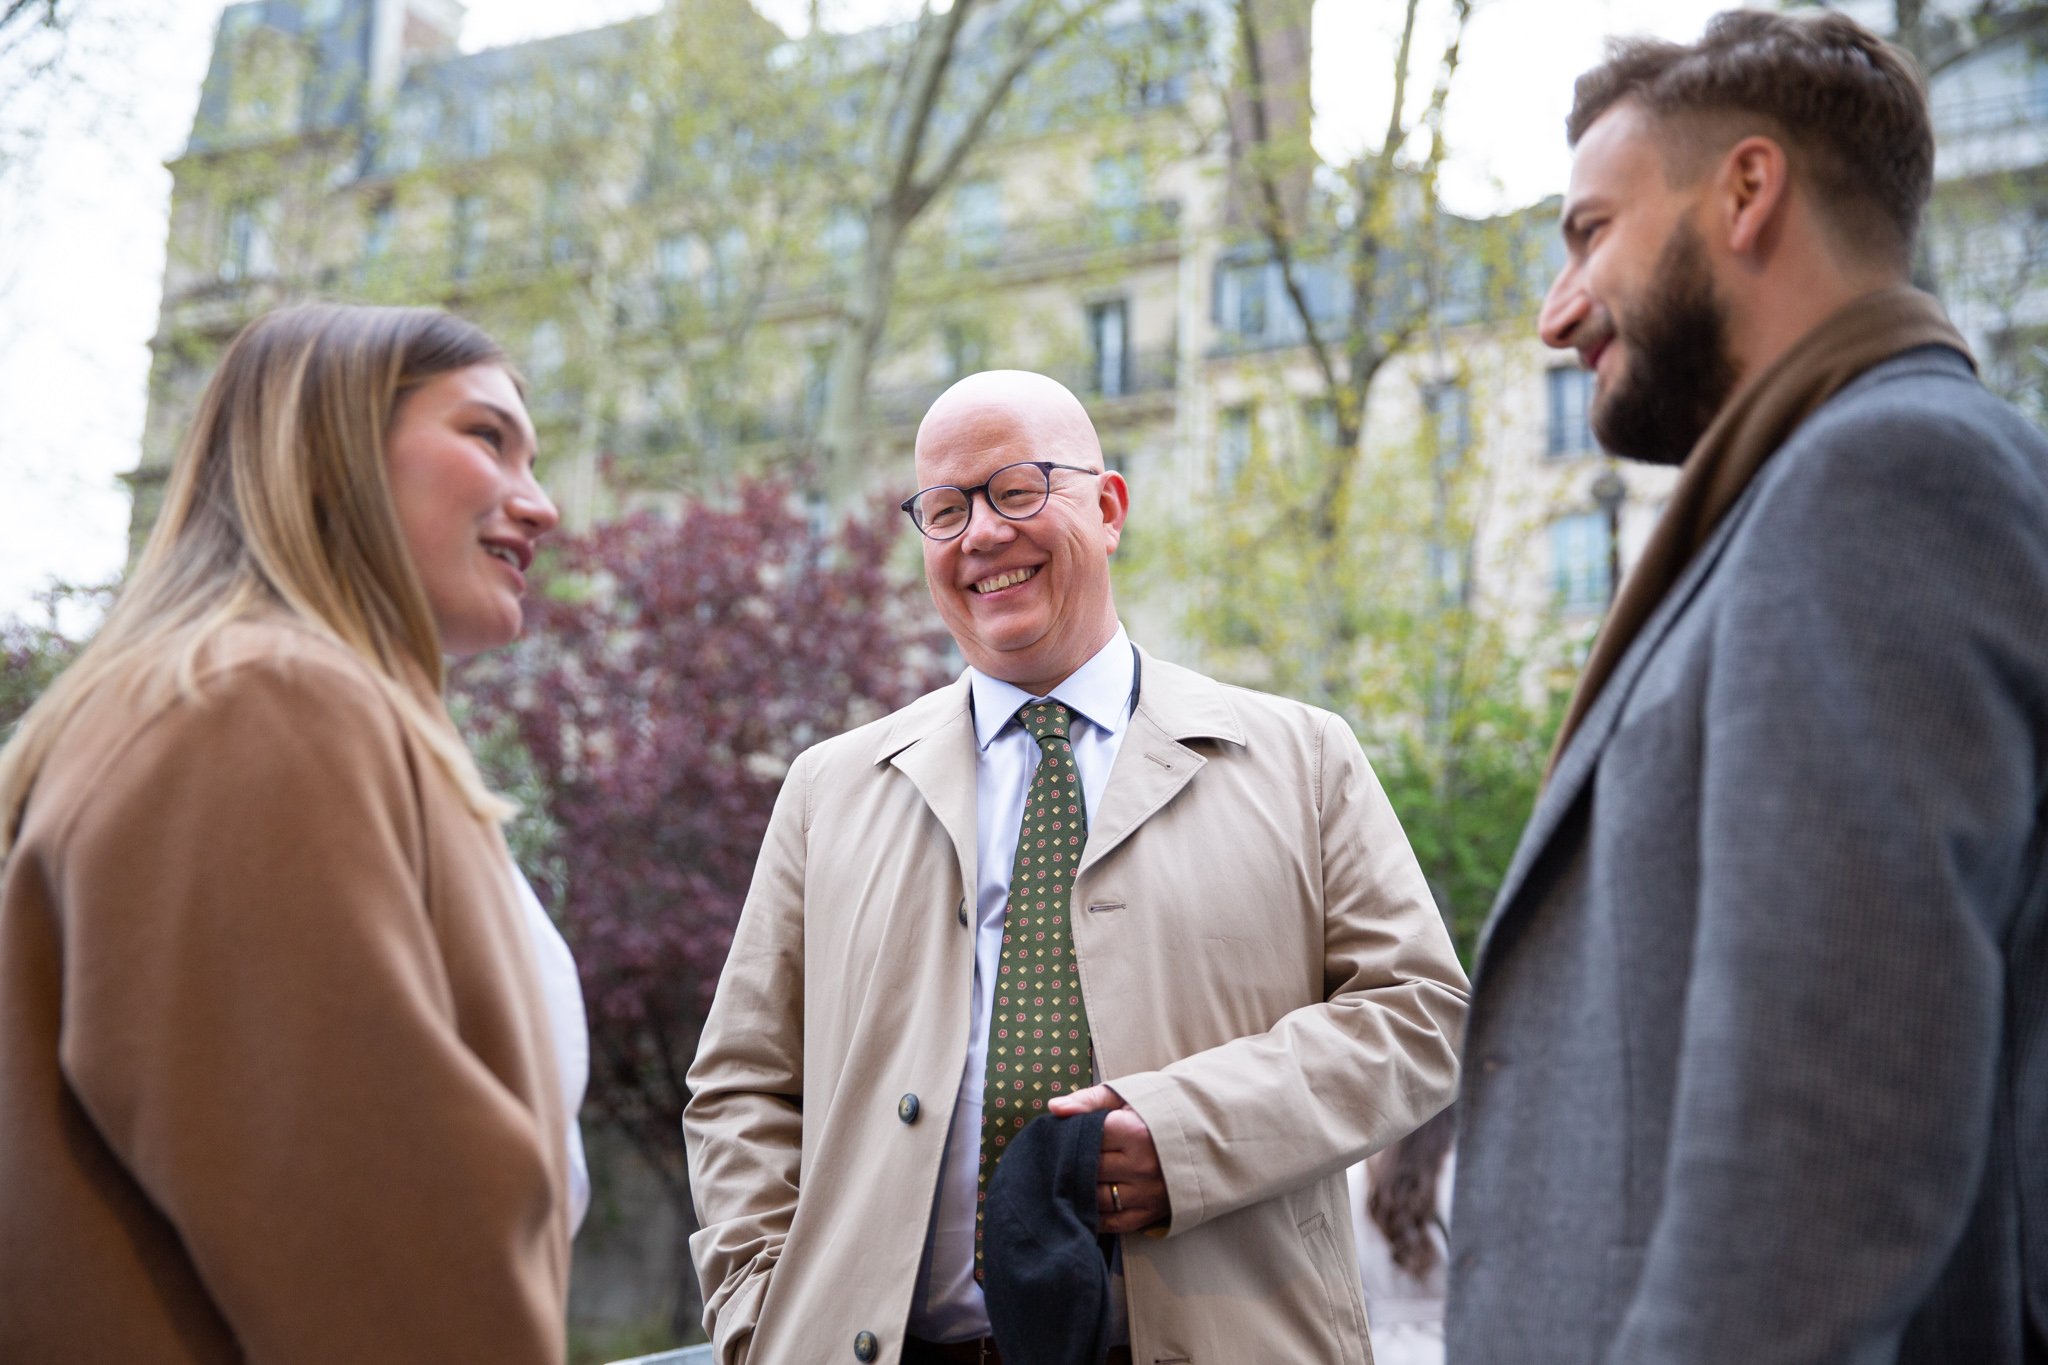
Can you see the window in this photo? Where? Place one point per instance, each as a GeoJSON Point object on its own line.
{"type": "Point", "coordinates": [249, 251]}
{"type": "Point", "coordinates": [377, 232]}
{"type": "Point", "coordinates": [1580, 561]}
{"type": "Point", "coordinates": [1109, 359]}
{"type": "Point", "coordinates": [1449, 409]}
{"type": "Point", "coordinates": [266, 82]}
{"type": "Point", "coordinates": [545, 354]}
{"type": "Point", "coordinates": [966, 348]}
{"type": "Point", "coordinates": [557, 225]}
{"type": "Point", "coordinates": [480, 128]}
{"type": "Point", "coordinates": [466, 236]}
{"type": "Point", "coordinates": [978, 219]}
{"type": "Point", "coordinates": [1571, 400]}
{"type": "Point", "coordinates": [1120, 194]}
{"type": "Point", "coordinates": [728, 265]}
{"type": "Point", "coordinates": [1155, 91]}
{"type": "Point", "coordinates": [1233, 445]}
{"type": "Point", "coordinates": [1241, 299]}
{"type": "Point", "coordinates": [413, 128]}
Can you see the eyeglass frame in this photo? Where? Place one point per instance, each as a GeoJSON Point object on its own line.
{"type": "Point", "coordinates": [1044, 467]}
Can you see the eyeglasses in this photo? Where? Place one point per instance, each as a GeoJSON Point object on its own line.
{"type": "Point", "coordinates": [1016, 492]}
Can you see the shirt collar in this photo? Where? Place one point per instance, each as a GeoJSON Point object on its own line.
{"type": "Point", "coordinates": [1099, 691]}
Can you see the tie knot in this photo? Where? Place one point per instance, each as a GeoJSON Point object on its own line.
{"type": "Point", "coordinates": [1046, 718]}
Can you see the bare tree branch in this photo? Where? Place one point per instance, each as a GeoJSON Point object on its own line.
{"type": "Point", "coordinates": [1397, 131]}
{"type": "Point", "coordinates": [1027, 51]}
{"type": "Point", "coordinates": [17, 9]}
{"type": "Point", "coordinates": [1989, 26]}
{"type": "Point", "coordinates": [930, 59]}
{"type": "Point", "coordinates": [1273, 223]}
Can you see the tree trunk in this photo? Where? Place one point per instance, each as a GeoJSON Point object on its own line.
{"type": "Point", "coordinates": [843, 432]}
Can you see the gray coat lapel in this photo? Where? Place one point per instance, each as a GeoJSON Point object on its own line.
{"type": "Point", "coordinates": [1152, 764]}
{"type": "Point", "coordinates": [932, 743]}
{"type": "Point", "coordinates": [1581, 755]}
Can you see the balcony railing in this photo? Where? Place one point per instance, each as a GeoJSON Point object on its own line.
{"type": "Point", "coordinates": [1143, 372]}
{"type": "Point", "coordinates": [1991, 113]}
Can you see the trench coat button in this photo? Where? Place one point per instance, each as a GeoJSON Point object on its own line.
{"type": "Point", "coordinates": [908, 1109]}
{"type": "Point", "coordinates": [963, 912]}
{"type": "Point", "coordinates": [865, 1347]}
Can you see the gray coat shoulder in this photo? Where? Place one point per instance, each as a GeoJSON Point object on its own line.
{"type": "Point", "coordinates": [1917, 423]}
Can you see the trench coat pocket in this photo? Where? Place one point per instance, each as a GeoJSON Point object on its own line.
{"type": "Point", "coordinates": [1343, 1297]}
{"type": "Point", "coordinates": [732, 1338]}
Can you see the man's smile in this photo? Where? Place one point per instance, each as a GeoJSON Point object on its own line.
{"type": "Point", "coordinates": [1008, 578]}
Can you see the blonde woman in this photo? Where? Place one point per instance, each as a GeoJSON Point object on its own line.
{"type": "Point", "coordinates": [279, 1078]}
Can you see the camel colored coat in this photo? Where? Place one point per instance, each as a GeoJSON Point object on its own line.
{"type": "Point", "coordinates": [1267, 984]}
{"type": "Point", "coordinates": [276, 1083]}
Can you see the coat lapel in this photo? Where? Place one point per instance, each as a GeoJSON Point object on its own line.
{"type": "Point", "coordinates": [1152, 764]}
{"type": "Point", "coordinates": [932, 743]}
{"type": "Point", "coordinates": [1576, 765]}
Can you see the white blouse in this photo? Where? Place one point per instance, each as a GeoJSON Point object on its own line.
{"type": "Point", "coordinates": [566, 1022]}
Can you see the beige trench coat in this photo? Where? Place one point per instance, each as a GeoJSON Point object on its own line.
{"type": "Point", "coordinates": [1267, 983]}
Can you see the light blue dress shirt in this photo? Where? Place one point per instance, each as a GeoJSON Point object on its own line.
{"type": "Point", "coordinates": [949, 1305]}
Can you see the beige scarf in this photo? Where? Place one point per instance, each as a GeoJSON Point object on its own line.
{"type": "Point", "coordinates": [1756, 420]}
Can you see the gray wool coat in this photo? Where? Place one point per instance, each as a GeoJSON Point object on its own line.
{"type": "Point", "coordinates": [1757, 1064]}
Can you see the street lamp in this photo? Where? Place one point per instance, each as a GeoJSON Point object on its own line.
{"type": "Point", "coordinates": [1609, 492]}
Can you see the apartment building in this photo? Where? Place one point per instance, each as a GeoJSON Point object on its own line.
{"type": "Point", "coordinates": [645, 217]}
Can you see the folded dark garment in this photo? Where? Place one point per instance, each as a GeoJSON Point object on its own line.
{"type": "Point", "coordinates": [1046, 1275]}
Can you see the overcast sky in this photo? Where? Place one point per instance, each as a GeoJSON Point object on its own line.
{"type": "Point", "coordinates": [81, 257]}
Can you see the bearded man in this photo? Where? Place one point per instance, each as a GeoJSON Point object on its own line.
{"type": "Point", "coordinates": [1757, 1064]}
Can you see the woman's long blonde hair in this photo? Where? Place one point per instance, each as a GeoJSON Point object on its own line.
{"type": "Point", "coordinates": [279, 499]}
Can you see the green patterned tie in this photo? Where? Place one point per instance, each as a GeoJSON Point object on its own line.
{"type": "Point", "coordinates": [1038, 1031]}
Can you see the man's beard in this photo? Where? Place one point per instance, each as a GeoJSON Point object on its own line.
{"type": "Point", "coordinates": [1679, 372]}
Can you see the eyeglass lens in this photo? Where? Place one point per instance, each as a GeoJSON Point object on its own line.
{"type": "Point", "coordinates": [1016, 491]}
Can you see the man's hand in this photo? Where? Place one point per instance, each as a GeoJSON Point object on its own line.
{"type": "Point", "coordinates": [1130, 1190]}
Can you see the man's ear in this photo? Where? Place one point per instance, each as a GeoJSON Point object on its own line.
{"type": "Point", "coordinates": [1750, 192]}
{"type": "Point", "coordinates": [1114, 495]}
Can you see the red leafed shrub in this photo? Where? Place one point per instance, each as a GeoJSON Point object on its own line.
{"type": "Point", "coordinates": [670, 672]}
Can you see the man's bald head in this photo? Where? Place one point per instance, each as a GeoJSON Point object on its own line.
{"type": "Point", "coordinates": [1024, 591]}
{"type": "Point", "coordinates": [997, 406]}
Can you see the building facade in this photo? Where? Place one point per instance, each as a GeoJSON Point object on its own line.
{"type": "Point", "coordinates": [646, 215]}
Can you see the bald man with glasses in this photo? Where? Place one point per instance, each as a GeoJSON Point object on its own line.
{"type": "Point", "coordinates": [1078, 879]}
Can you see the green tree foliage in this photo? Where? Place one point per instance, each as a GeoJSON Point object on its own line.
{"type": "Point", "coordinates": [1454, 699]}
{"type": "Point", "coordinates": [1338, 563]}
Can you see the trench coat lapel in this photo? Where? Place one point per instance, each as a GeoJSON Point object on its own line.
{"type": "Point", "coordinates": [1152, 764]}
{"type": "Point", "coordinates": [1581, 756]}
{"type": "Point", "coordinates": [932, 743]}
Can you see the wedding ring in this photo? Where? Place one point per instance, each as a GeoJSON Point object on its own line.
{"type": "Point", "coordinates": [1115, 1200]}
